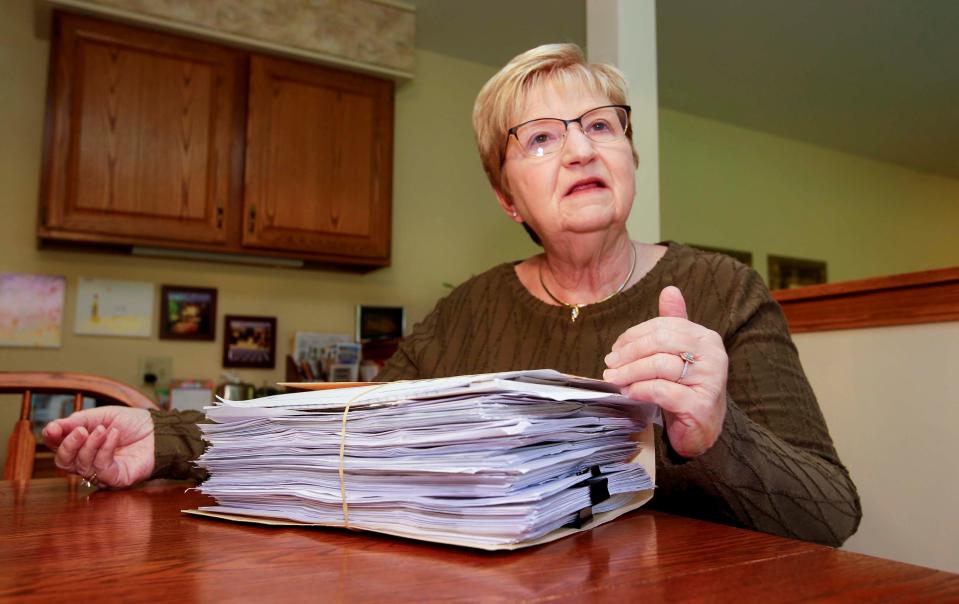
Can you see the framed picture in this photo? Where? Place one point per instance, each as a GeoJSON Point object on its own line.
{"type": "Point", "coordinates": [249, 341]}
{"type": "Point", "coordinates": [379, 322]}
{"type": "Point", "coordinates": [790, 273]}
{"type": "Point", "coordinates": [114, 308]}
{"type": "Point", "coordinates": [187, 313]}
{"type": "Point", "coordinates": [31, 310]}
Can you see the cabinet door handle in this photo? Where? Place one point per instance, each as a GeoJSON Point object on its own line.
{"type": "Point", "coordinates": [252, 219]}
{"type": "Point", "coordinates": [219, 217]}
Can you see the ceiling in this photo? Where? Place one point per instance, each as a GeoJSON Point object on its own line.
{"type": "Point", "coordinates": [877, 78]}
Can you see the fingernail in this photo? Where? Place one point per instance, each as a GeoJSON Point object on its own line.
{"type": "Point", "coordinates": [609, 374]}
{"type": "Point", "coordinates": [612, 358]}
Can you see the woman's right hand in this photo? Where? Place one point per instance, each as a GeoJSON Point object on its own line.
{"type": "Point", "coordinates": [110, 446]}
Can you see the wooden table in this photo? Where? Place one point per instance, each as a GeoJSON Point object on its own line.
{"type": "Point", "coordinates": [60, 541]}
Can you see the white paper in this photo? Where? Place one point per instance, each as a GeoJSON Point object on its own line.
{"type": "Point", "coordinates": [491, 461]}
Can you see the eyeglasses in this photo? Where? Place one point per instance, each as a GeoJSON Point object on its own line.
{"type": "Point", "coordinates": [545, 136]}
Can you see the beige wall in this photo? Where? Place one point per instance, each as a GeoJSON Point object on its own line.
{"type": "Point", "coordinates": [446, 227]}
{"type": "Point", "coordinates": [730, 187]}
{"type": "Point", "coordinates": [890, 399]}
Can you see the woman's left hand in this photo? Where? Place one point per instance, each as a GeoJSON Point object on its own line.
{"type": "Point", "coordinates": [646, 363]}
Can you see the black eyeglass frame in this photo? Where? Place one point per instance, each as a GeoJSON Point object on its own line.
{"type": "Point", "coordinates": [566, 123]}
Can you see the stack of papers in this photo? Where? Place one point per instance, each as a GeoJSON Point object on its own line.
{"type": "Point", "coordinates": [490, 461]}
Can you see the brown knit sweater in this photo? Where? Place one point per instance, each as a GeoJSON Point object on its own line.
{"type": "Point", "coordinates": [774, 467]}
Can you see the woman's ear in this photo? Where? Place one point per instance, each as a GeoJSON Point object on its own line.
{"type": "Point", "coordinates": [508, 206]}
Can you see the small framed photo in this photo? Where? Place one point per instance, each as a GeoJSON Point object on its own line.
{"type": "Point", "coordinates": [187, 313]}
{"type": "Point", "coordinates": [107, 307]}
{"type": "Point", "coordinates": [379, 323]}
{"type": "Point", "coordinates": [790, 273]}
{"type": "Point", "coordinates": [249, 341]}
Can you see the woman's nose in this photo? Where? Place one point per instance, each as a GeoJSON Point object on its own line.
{"type": "Point", "coordinates": [577, 148]}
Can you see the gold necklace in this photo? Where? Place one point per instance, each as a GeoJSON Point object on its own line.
{"type": "Point", "coordinates": [574, 308]}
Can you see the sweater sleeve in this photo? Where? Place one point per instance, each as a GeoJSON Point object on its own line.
{"type": "Point", "coordinates": [177, 443]}
{"type": "Point", "coordinates": [774, 467]}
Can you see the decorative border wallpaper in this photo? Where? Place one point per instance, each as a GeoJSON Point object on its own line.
{"type": "Point", "coordinates": [356, 31]}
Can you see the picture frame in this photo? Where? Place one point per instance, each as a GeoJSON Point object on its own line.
{"type": "Point", "coordinates": [107, 307]}
{"type": "Point", "coordinates": [249, 341]}
{"type": "Point", "coordinates": [187, 313]}
{"type": "Point", "coordinates": [31, 310]}
{"type": "Point", "coordinates": [380, 323]}
{"type": "Point", "coordinates": [790, 273]}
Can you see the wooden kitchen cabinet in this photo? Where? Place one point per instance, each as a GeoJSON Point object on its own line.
{"type": "Point", "coordinates": [140, 133]}
{"type": "Point", "coordinates": [318, 160]}
{"type": "Point", "coordinates": [158, 140]}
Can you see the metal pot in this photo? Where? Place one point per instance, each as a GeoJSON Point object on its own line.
{"type": "Point", "coordinates": [239, 391]}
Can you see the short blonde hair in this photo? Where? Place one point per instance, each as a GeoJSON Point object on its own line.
{"type": "Point", "coordinates": [503, 97]}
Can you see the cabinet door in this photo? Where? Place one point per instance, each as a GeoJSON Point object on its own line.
{"type": "Point", "coordinates": [318, 162]}
{"type": "Point", "coordinates": [141, 129]}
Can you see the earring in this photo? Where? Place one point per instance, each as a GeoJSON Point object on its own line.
{"type": "Point", "coordinates": [514, 212]}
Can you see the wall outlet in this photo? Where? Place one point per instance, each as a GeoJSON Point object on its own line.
{"type": "Point", "coordinates": [161, 367]}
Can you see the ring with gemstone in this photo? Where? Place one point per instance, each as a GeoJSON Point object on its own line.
{"type": "Point", "coordinates": [688, 358]}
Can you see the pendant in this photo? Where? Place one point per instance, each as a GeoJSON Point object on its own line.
{"type": "Point", "coordinates": [573, 314]}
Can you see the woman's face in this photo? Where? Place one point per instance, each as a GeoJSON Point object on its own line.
{"type": "Point", "coordinates": [585, 187]}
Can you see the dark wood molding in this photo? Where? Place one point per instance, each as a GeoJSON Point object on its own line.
{"type": "Point", "coordinates": [922, 297]}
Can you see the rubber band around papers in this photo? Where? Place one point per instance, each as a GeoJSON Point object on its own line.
{"type": "Point", "coordinates": [346, 411]}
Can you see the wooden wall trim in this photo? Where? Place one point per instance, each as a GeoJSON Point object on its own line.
{"type": "Point", "coordinates": [922, 297]}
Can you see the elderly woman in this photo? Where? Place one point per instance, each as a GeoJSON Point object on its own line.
{"type": "Point", "coordinates": [743, 442]}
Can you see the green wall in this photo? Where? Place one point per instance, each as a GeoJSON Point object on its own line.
{"type": "Point", "coordinates": [729, 187]}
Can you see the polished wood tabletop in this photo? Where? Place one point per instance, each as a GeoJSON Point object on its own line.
{"type": "Point", "coordinates": [63, 542]}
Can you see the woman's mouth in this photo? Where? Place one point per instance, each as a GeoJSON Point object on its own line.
{"type": "Point", "coordinates": [586, 184]}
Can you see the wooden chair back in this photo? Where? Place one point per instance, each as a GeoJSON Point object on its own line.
{"type": "Point", "coordinates": [22, 446]}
